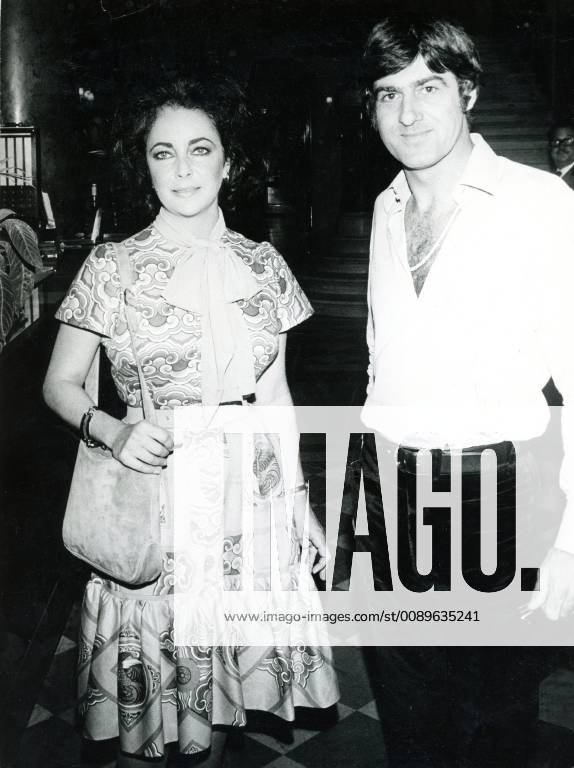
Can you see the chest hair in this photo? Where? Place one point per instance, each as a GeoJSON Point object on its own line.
{"type": "Point", "coordinates": [423, 230]}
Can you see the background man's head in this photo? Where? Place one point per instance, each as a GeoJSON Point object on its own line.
{"type": "Point", "coordinates": [395, 43]}
{"type": "Point", "coordinates": [561, 144]}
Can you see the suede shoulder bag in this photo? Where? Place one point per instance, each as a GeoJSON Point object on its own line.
{"type": "Point", "coordinates": [112, 515]}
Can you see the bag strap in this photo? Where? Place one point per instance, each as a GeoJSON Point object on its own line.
{"type": "Point", "coordinates": [125, 273]}
{"type": "Point", "coordinates": [91, 385]}
{"type": "Point", "coordinates": [92, 382]}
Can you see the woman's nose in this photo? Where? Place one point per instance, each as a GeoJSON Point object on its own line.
{"type": "Point", "coordinates": [184, 166]}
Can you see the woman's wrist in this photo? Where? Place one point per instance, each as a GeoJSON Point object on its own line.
{"type": "Point", "coordinates": [104, 428]}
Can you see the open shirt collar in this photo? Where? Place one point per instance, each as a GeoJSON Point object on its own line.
{"type": "Point", "coordinates": [481, 174]}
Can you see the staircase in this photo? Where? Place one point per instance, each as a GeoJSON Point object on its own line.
{"type": "Point", "coordinates": [337, 285]}
{"type": "Point", "coordinates": [511, 114]}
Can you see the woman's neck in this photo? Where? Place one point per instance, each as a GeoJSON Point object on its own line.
{"type": "Point", "coordinates": [191, 226]}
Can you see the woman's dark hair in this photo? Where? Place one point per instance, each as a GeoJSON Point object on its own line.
{"type": "Point", "coordinates": [217, 95]}
{"type": "Point", "coordinates": [445, 47]}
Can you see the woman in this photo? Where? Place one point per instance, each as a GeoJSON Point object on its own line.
{"type": "Point", "coordinates": [201, 293]}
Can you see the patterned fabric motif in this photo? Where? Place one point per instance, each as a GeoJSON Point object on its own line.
{"type": "Point", "coordinates": [169, 337]}
{"type": "Point", "coordinates": [133, 682]}
{"type": "Point", "coordinates": [136, 684]}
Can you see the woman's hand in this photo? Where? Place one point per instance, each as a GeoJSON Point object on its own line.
{"type": "Point", "coordinates": [142, 446]}
{"type": "Point", "coordinates": [314, 546]}
{"type": "Point", "coordinates": [318, 545]}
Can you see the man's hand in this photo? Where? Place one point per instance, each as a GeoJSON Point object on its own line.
{"type": "Point", "coordinates": [555, 585]}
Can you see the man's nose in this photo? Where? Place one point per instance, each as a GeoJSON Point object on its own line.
{"type": "Point", "coordinates": [410, 111]}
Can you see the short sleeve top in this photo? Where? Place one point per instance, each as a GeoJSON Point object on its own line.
{"type": "Point", "coordinates": [168, 337]}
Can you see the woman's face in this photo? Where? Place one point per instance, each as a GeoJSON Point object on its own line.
{"type": "Point", "coordinates": [187, 163]}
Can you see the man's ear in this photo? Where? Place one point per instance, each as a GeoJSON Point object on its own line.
{"type": "Point", "coordinates": [468, 95]}
{"type": "Point", "coordinates": [471, 99]}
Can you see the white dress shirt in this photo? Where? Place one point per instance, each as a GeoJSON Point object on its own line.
{"type": "Point", "coordinates": [564, 171]}
{"type": "Point", "coordinates": [464, 363]}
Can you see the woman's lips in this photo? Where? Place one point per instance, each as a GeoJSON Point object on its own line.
{"type": "Point", "coordinates": [186, 191]}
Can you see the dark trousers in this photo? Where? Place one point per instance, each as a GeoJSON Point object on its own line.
{"type": "Point", "coordinates": [454, 706]}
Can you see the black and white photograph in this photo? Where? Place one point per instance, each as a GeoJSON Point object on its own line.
{"type": "Point", "coordinates": [234, 233]}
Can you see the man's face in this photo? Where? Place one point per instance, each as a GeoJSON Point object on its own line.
{"type": "Point", "coordinates": [419, 114]}
{"type": "Point", "coordinates": [562, 147]}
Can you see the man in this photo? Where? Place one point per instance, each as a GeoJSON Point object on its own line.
{"type": "Point", "coordinates": [561, 146]}
{"type": "Point", "coordinates": [469, 314]}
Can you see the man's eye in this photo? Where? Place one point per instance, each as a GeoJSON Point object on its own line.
{"type": "Point", "coordinates": [386, 96]}
{"type": "Point", "coordinates": [428, 89]}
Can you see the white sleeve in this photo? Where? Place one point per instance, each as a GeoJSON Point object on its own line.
{"type": "Point", "coordinates": [370, 321]}
{"type": "Point", "coordinates": [558, 335]}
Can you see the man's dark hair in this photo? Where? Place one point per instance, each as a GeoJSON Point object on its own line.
{"type": "Point", "coordinates": [217, 95]}
{"type": "Point", "coordinates": [565, 123]}
{"type": "Point", "coordinates": [445, 47]}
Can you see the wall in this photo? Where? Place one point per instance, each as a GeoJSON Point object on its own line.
{"type": "Point", "coordinates": [51, 48]}
{"type": "Point", "coordinates": [43, 56]}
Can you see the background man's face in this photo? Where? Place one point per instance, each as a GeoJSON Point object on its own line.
{"type": "Point", "coordinates": [562, 154]}
{"type": "Point", "coordinates": [419, 114]}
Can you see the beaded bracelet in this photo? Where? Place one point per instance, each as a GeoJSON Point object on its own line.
{"type": "Point", "coordinates": [85, 428]}
{"type": "Point", "coordinates": [298, 489]}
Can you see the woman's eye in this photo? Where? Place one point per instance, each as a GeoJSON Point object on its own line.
{"type": "Point", "coordinates": [200, 150]}
{"type": "Point", "coordinates": [161, 154]}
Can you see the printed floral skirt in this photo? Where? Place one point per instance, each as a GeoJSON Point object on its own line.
{"type": "Point", "coordinates": [135, 684]}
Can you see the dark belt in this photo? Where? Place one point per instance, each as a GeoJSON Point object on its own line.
{"type": "Point", "coordinates": [246, 399]}
{"type": "Point", "coordinates": [407, 457]}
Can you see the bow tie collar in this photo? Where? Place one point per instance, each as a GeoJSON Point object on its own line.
{"type": "Point", "coordinates": [209, 280]}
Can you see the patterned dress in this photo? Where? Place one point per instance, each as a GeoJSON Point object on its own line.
{"type": "Point", "coordinates": [133, 681]}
